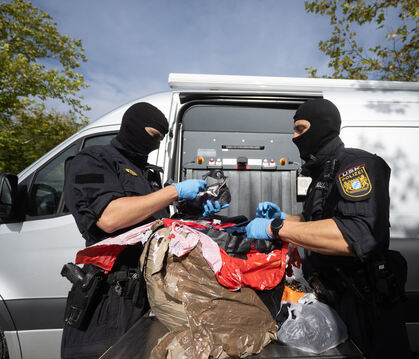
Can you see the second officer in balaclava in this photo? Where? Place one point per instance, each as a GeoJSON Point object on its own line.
{"type": "Point", "coordinates": [344, 228]}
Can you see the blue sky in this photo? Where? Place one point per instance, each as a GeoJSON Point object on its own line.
{"type": "Point", "coordinates": [132, 45]}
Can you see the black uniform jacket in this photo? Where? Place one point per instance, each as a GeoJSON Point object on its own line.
{"type": "Point", "coordinates": [96, 176]}
{"type": "Point", "coordinates": [353, 191]}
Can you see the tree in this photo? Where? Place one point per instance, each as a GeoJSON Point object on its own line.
{"type": "Point", "coordinates": [37, 63]}
{"type": "Point", "coordinates": [394, 58]}
{"type": "Point", "coordinates": [33, 132]}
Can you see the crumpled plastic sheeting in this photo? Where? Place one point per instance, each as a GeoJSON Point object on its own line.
{"type": "Point", "coordinates": [183, 239]}
{"type": "Point", "coordinates": [219, 323]}
{"type": "Point", "coordinates": [104, 253]}
{"type": "Point", "coordinates": [259, 271]}
{"type": "Point", "coordinates": [167, 309]}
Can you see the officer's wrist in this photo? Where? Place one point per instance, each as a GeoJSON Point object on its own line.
{"type": "Point", "coordinates": [275, 227]}
{"type": "Point", "coordinates": [173, 192]}
{"type": "Point", "coordinates": [269, 235]}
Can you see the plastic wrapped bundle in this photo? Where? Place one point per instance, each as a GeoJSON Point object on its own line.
{"type": "Point", "coordinates": [205, 319]}
{"type": "Point", "coordinates": [216, 190]}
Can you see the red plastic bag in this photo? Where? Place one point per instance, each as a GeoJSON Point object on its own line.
{"type": "Point", "coordinates": [259, 271]}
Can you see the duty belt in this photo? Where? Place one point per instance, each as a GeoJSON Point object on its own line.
{"type": "Point", "coordinates": [124, 282]}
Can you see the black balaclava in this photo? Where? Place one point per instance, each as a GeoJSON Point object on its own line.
{"type": "Point", "coordinates": [325, 123]}
{"type": "Point", "coordinates": [133, 137]}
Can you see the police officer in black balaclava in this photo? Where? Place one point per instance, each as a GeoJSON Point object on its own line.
{"type": "Point", "coordinates": [134, 135]}
{"type": "Point", "coordinates": [344, 228]}
{"type": "Point", "coordinates": [324, 125]}
{"type": "Point", "coordinates": [109, 190]}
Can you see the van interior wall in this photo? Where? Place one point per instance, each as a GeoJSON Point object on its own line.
{"type": "Point", "coordinates": [249, 187]}
{"type": "Point", "coordinates": [269, 171]}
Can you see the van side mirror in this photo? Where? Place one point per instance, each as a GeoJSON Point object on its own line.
{"type": "Point", "coordinates": [8, 190]}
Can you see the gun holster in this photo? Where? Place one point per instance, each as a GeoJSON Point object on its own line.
{"type": "Point", "coordinates": [389, 276]}
{"type": "Point", "coordinates": [84, 294]}
{"type": "Point", "coordinates": [322, 293]}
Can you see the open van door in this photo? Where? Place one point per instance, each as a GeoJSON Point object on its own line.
{"type": "Point", "coordinates": [249, 139]}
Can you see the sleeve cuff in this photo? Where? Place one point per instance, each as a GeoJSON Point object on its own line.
{"type": "Point", "coordinates": [351, 235]}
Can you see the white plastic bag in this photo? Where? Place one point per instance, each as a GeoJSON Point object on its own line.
{"type": "Point", "coordinates": [313, 327]}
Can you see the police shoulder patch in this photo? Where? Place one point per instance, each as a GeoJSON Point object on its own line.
{"type": "Point", "coordinates": [354, 183]}
{"type": "Point", "coordinates": [131, 172]}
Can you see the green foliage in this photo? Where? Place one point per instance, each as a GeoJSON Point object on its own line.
{"type": "Point", "coordinates": [395, 58]}
{"type": "Point", "coordinates": [31, 134]}
{"type": "Point", "coordinates": [37, 63]}
{"type": "Point", "coordinates": [29, 41]}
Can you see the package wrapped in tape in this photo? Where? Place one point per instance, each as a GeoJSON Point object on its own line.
{"type": "Point", "coordinates": [204, 318]}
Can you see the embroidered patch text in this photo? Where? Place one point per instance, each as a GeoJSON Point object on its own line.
{"type": "Point", "coordinates": [355, 182]}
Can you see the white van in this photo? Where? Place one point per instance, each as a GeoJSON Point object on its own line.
{"type": "Point", "coordinates": [219, 118]}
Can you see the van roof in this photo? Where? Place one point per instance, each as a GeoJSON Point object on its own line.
{"type": "Point", "coordinates": [268, 83]}
{"type": "Point", "coordinates": [160, 100]}
{"type": "Point", "coordinates": [260, 84]}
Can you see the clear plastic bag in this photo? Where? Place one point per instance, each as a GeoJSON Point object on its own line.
{"type": "Point", "coordinates": [313, 327]}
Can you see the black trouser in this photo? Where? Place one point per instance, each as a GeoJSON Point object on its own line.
{"type": "Point", "coordinates": [112, 317]}
{"type": "Point", "coordinates": [378, 334]}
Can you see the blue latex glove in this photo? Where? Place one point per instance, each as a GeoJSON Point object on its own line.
{"type": "Point", "coordinates": [189, 189]}
{"type": "Point", "coordinates": [258, 228]}
{"type": "Point", "coordinates": [269, 210]}
{"type": "Point", "coordinates": [210, 208]}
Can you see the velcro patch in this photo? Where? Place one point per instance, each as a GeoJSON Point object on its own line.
{"type": "Point", "coordinates": [354, 183]}
{"type": "Point", "coordinates": [90, 178]}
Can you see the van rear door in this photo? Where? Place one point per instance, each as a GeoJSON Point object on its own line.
{"type": "Point", "coordinates": [248, 138]}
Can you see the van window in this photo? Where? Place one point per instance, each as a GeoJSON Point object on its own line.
{"type": "Point", "coordinates": [99, 140]}
{"type": "Point", "coordinates": [46, 192]}
{"type": "Point", "coordinates": [398, 147]}
{"type": "Point", "coordinates": [47, 188]}
{"type": "Point", "coordinates": [238, 119]}
{"type": "Point", "coordinates": [94, 141]}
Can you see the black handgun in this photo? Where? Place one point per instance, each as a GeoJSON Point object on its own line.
{"type": "Point", "coordinates": [73, 273]}
{"type": "Point", "coordinates": [83, 295]}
